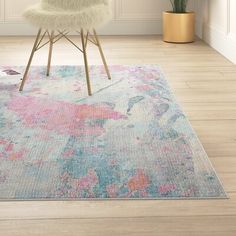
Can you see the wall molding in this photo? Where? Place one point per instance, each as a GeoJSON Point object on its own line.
{"type": "Point", "coordinates": [120, 14]}
{"type": "Point", "coordinates": [1, 10]}
{"type": "Point", "coordinates": [124, 27]}
{"type": "Point", "coordinates": [228, 20]}
{"type": "Point", "coordinates": [225, 44]}
{"type": "Point", "coordinates": [221, 38]}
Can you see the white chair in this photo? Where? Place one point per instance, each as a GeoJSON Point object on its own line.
{"type": "Point", "coordinates": [56, 18]}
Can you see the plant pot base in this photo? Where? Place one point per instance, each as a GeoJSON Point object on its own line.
{"type": "Point", "coordinates": [184, 42]}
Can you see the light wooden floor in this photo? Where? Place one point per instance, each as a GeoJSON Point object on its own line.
{"type": "Point", "coordinates": [205, 84]}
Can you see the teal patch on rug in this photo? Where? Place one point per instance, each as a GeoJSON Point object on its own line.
{"type": "Point", "coordinates": [130, 140]}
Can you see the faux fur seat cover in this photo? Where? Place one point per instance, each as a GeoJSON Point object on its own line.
{"type": "Point", "coordinates": [69, 14]}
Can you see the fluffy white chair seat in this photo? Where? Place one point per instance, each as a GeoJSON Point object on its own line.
{"type": "Point", "coordinates": [69, 14]}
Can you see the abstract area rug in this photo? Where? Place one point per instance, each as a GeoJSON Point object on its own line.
{"type": "Point", "coordinates": [130, 140]}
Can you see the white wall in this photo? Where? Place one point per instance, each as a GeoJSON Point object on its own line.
{"type": "Point", "coordinates": [219, 26]}
{"type": "Point", "coordinates": [130, 17]}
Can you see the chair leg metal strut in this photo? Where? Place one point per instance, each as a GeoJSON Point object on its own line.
{"type": "Point", "coordinates": [102, 54]}
{"type": "Point", "coordinates": [86, 62]}
{"type": "Point", "coordinates": [30, 60]}
{"type": "Point", "coordinates": [50, 52]}
{"type": "Point", "coordinates": [53, 38]}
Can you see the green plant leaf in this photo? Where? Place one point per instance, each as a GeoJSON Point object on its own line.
{"type": "Point", "coordinates": [179, 6]}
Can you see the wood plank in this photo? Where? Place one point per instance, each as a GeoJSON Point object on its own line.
{"type": "Point", "coordinates": [224, 164]}
{"type": "Point", "coordinates": [229, 181]}
{"type": "Point", "coordinates": [151, 226]}
{"type": "Point", "coordinates": [197, 96]}
{"type": "Point", "coordinates": [220, 149]}
{"type": "Point", "coordinates": [226, 86]}
{"type": "Point", "coordinates": [210, 111]}
{"type": "Point", "coordinates": [111, 208]}
{"type": "Point", "coordinates": [215, 131]}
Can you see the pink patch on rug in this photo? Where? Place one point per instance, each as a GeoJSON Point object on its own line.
{"type": "Point", "coordinates": [9, 147]}
{"type": "Point", "coordinates": [69, 153]}
{"type": "Point", "coordinates": [61, 117]}
{"type": "Point", "coordinates": [144, 87]}
{"type": "Point", "coordinates": [16, 155]}
{"type": "Point", "coordinates": [34, 90]}
{"type": "Point", "coordinates": [166, 188]}
{"type": "Point", "coordinates": [113, 162]}
{"type": "Point", "coordinates": [188, 193]}
{"type": "Point", "coordinates": [9, 151]}
{"type": "Point", "coordinates": [166, 149]}
{"type": "Point", "coordinates": [13, 155]}
{"type": "Point", "coordinates": [3, 142]}
{"type": "Point", "coordinates": [86, 183]}
{"type": "Point", "coordinates": [112, 190]}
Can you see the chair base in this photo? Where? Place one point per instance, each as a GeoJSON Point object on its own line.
{"type": "Point", "coordinates": [53, 38]}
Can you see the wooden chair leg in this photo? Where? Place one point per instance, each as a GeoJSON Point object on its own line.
{"type": "Point", "coordinates": [86, 62]}
{"type": "Point", "coordinates": [30, 60]}
{"type": "Point", "coordinates": [102, 54]}
{"type": "Point", "coordinates": [51, 37]}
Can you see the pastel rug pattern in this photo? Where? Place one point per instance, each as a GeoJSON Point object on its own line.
{"type": "Point", "coordinates": [130, 140]}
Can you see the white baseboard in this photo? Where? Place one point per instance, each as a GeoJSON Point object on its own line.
{"type": "Point", "coordinates": [113, 28]}
{"type": "Point", "coordinates": [222, 42]}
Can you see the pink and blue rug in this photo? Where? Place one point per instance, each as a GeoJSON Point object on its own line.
{"type": "Point", "coordinates": [130, 140]}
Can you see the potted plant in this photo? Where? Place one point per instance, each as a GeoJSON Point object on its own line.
{"type": "Point", "coordinates": [179, 25]}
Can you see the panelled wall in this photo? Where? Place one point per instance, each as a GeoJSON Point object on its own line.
{"type": "Point", "coordinates": [1, 10]}
{"type": "Point", "coordinates": [219, 26]}
{"type": "Point", "coordinates": [130, 16]}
